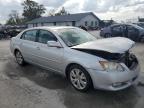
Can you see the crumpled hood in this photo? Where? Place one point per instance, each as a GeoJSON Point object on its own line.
{"type": "Point", "coordinates": [112, 45]}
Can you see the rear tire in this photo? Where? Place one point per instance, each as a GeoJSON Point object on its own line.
{"type": "Point", "coordinates": [19, 58]}
{"type": "Point", "coordinates": [79, 78]}
{"type": "Point", "coordinates": [142, 39]}
{"type": "Point", "coordinates": [107, 35]}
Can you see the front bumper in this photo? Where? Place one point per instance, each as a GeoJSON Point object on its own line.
{"type": "Point", "coordinates": [114, 81]}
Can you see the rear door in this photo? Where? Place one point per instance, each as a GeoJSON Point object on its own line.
{"type": "Point", "coordinates": [49, 57]}
{"type": "Point", "coordinates": [28, 45]}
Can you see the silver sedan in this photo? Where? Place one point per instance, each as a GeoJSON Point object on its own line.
{"type": "Point", "coordinates": [85, 60]}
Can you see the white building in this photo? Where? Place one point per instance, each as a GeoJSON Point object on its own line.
{"type": "Point", "coordinates": [80, 19]}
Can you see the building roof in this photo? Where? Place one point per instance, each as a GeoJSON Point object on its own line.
{"type": "Point", "coordinates": [62, 18]}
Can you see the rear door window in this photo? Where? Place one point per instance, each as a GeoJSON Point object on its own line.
{"type": "Point", "coordinates": [30, 35]}
{"type": "Point", "coordinates": [116, 29]}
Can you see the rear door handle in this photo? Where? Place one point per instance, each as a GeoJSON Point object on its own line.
{"type": "Point", "coordinates": [38, 48]}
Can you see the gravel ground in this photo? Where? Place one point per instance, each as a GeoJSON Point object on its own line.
{"type": "Point", "coordinates": [32, 87]}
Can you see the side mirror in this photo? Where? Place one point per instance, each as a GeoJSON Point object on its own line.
{"type": "Point", "coordinates": [54, 44]}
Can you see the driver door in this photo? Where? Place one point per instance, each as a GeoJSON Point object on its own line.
{"type": "Point", "coordinates": [49, 57]}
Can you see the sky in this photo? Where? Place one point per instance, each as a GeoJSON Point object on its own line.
{"type": "Point", "coordinates": [118, 10]}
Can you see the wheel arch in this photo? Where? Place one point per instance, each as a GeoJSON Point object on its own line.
{"type": "Point", "coordinates": [70, 64]}
{"type": "Point", "coordinates": [74, 62]}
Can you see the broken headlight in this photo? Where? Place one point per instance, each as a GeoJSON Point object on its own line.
{"type": "Point", "coordinates": [111, 66]}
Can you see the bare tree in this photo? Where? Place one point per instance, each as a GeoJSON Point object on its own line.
{"type": "Point", "coordinates": [62, 12]}
{"type": "Point", "coordinates": [14, 18]}
{"type": "Point", "coordinates": [51, 12]}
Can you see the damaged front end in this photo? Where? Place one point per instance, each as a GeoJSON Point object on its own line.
{"type": "Point", "coordinates": [112, 49]}
{"type": "Point", "coordinates": [127, 58]}
{"type": "Point", "coordinates": [118, 68]}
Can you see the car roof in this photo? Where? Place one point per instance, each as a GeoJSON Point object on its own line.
{"type": "Point", "coordinates": [52, 27]}
{"type": "Point", "coordinates": [122, 24]}
{"type": "Point", "coordinates": [127, 24]}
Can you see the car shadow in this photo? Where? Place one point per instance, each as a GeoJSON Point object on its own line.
{"type": "Point", "coordinates": [40, 76]}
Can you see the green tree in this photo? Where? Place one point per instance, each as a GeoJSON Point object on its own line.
{"type": "Point", "coordinates": [32, 10]}
{"type": "Point", "coordinates": [14, 18]}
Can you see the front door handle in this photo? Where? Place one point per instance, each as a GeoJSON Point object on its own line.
{"type": "Point", "coordinates": [38, 48]}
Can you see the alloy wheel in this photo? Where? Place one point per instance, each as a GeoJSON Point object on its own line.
{"type": "Point", "coordinates": [108, 35]}
{"type": "Point", "coordinates": [19, 58]}
{"type": "Point", "coordinates": [78, 79]}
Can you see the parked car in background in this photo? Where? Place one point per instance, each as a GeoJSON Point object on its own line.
{"type": "Point", "coordinates": [3, 34]}
{"type": "Point", "coordinates": [131, 31]}
{"type": "Point", "coordinates": [7, 32]}
{"type": "Point", "coordinates": [86, 61]}
{"type": "Point", "coordinates": [13, 32]}
{"type": "Point", "coordinates": [141, 24]}
{"type": "Point", "coordinates": [84, 28]}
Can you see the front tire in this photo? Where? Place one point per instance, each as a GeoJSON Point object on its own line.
{"type": "Point", "coordinates": [79, 78]}
{"type": "Point", "coordinates": [19, 58]}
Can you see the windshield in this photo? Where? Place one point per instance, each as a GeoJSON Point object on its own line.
{"type": "Point", "coordinates": [136, 26]}
{"type": "Point", "coordinates": [75, 36]}
{"type": "Point", "coordinates": [141, 25]}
